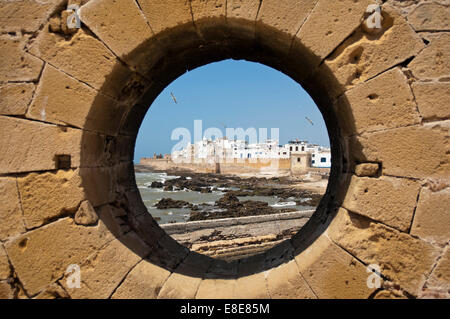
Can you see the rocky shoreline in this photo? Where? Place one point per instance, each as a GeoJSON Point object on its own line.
{"type": "Point", "coordinates": [234, 187]}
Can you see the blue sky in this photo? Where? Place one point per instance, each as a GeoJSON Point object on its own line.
{"type": "Point", "coordinates": [233, 94]}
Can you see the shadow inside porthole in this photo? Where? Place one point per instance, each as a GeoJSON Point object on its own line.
{"type": "Point", "coordinates": [110, 182]}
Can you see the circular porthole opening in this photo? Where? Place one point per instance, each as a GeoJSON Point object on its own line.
{"type": "Point", "coordinates": [232, 158]}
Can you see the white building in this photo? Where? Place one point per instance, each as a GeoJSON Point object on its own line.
{"type": "Point", "coordinates": [223, 148]}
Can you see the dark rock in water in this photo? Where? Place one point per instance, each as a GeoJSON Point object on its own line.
{"type": "Point", "coordinates": [166, 203]}
{"type": "Point", "coordinates": [168, 188]}
{"type": "Point", "coordinates": [232, 207]}
{"type": "Point", "coordinates": [228, 200]}
{"type": "Point", "coordinates": [156, 184]}
{"type": "Point", "coordinates": [240, 193]}
{"type": "Point", "coordinates": [205, 190]}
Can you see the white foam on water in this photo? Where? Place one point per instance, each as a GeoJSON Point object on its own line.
{"type": "Point", "coordinates": [283, 204]}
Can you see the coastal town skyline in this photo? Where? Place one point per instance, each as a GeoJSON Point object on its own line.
{"type": "Point", "coordinates": [227, 94]}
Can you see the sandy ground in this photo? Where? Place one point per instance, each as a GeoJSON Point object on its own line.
{"type": "Point", "coordinates": [317, 186]}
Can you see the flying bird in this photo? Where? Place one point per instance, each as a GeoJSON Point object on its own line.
{"type": "Point", "coordinates": [173, 98]}
{"type": "Point", "coordinates": [309, 120]}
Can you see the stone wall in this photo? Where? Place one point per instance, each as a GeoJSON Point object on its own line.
{"type": "Point", "coordinates": [230, 166]}
{"type": "Point", "coordinates": [72, 101]}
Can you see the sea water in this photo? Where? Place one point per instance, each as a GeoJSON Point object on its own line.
{"type": "Point", "coordinates": [151, 196]}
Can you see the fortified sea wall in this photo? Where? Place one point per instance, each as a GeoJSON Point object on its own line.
{"type": "Point", "coordinates": [72, 100]}
{"type": "Point", "coordinates": [230, 166]}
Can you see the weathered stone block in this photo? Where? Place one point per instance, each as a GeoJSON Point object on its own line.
{"type": "Point", "coordinates": [54, 291]}
{"type": "Point", "coordinates": [5, 270]}
{"type": "Point", "coordinates": [389, 200]}
{"type": "Point", "coordinates": [383, 102]}
{"type": "Point", "coordinates": [111, 217]}
{"type": "Point", "coordinates": [65, 244]}
{"type": "Point", "coordinates": [164, 14]}
{"type": "Point", "coordinates": [432, 99]}
{"type": "Point", "coordinates": [285, 16]}
{"type": "Point", "coordinates": [402, 259]}
{"type": "Point", "coordinates": [433, 62]}
{"type": "Point", "coordinates": [26, 15]}
{"type": "Point", "coordinates": [84, 58]}
{"type": "Point", "coordinates": [285, 281]}
{"type": "Point", "coordinates": [119, 24]}
{"type": "Point", "coordinates": [179, 286]}
{"type": "Point", "coordinates": [242, 10]}
{"type": "Point", "coordinates": [15, 98]}
{"type": "Point", "coordinates": [331, 272]}
{"type": "Point", "coordinates": [252, 287]}
{"type": "Point", "coordinates": [143, 282]}
{"type": "Point", "coordinates": [329, 24]}
{"type": "Point", "coordinates": [40, 144]}
{"type": "Point", "coordinates": [430, 16]}
{"type": "Point", "coordinates": [11, 210]}
{"type": "Point", "coordinates": [105, 269]}
{"type": "Point", "coordinates": [367, 169]}
{"type": "Point", "coordinates": [432, 216]}
{"type": "Point", "coordinates": [210, 18]}
{"type": "Point", "coordinates": [63, 100]}
{"type": "Point", "coordinates": [85, 214]}
{"type": "Point", "coordinates": [49, 195]}
{"type": "Point", "coordinates": [16, 64]}
{"type": "Point", "coordinates": [363, 56]}
{"type": "Point", "coordinates": [186, 278]}
{"type": "Point", "coordinates": [438, 284]}
{"type": "Point", "coordinates": [98, 185]}
{"type": "Point", "coordinates": [217, 289]}
{"type": "Point", "coordinates": [415, 151]}
{"type": "Point", "coordinates": [6, 291]}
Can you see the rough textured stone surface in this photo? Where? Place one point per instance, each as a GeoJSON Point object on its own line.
{"type": "Point", "coordinates": [285, 281]}
{"type": "Point", "coordinates": [332, 272]}
{"type": "Point", "coordinates": [253, 287]}
{"type": "Point", "coordinates": [50, 195]}
{"type": "Point", "coordinates": [242, 9]}
{"type": "Point", "coordinates": [433, 62]}
{"type": "Point", "coordinates": [26, 15]}
{"type": "Point", "coordinates": [54, 291]}
{"type": "Point", "coordinates": [430, 17]}
{"type": "Point", "coordinates": [185, 280]}
{"type": "Point", "coordinates": [119, 24]}
{"type": "Point", "coordinates": [438, 284]}
{"type": "Point", "coordinates": [388, 200]}
{"type": "Point", "coordinates": [367, 169]}
{"type": "Point", "coordinates": [5, 270]}
{"type": "Point", "coordinates": [363, 56]}
{"type": "Point", "coordinates": [402, 259]}
{"type": "Point", "coordinates": [83, 57]}
{"type": "Point", "coordinates": [217, 289]}
{"type": "Point", "coordinates": [85, 214]}
{"type": "Point", "coordinates": [68, 243]}
{"type": "Point", "coordinates": [420, 151]}
{"type": "Point", "coordinates": [6, 291]}
{"type": "Point", "coordinates": [432, 99]}
{"type": "Point", "coordinates": [11, 210]}
{"type": "Point", "coordinates": [287, 16]}
{"type": "Point", "coordinates": [162, 16]}
{"type": "Point", "coordinates": [143, 282]}
{"type": "Point", "coordinates": [15, 98]}
{"type": "Point", "coordinates": [40, 144]}
{"type": "Point", "coordinates": [382, 103]}
{"type": "Point", "coordinates": [329, 24]}
{"type": "Point", "coordinates": [432, 215]}
{"type": "Point", "coordinates": [100, 277]}
{"type": "Point", "coordinates": [85, 108]}
{"type": "Point", "coordinates": [17, 65]}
